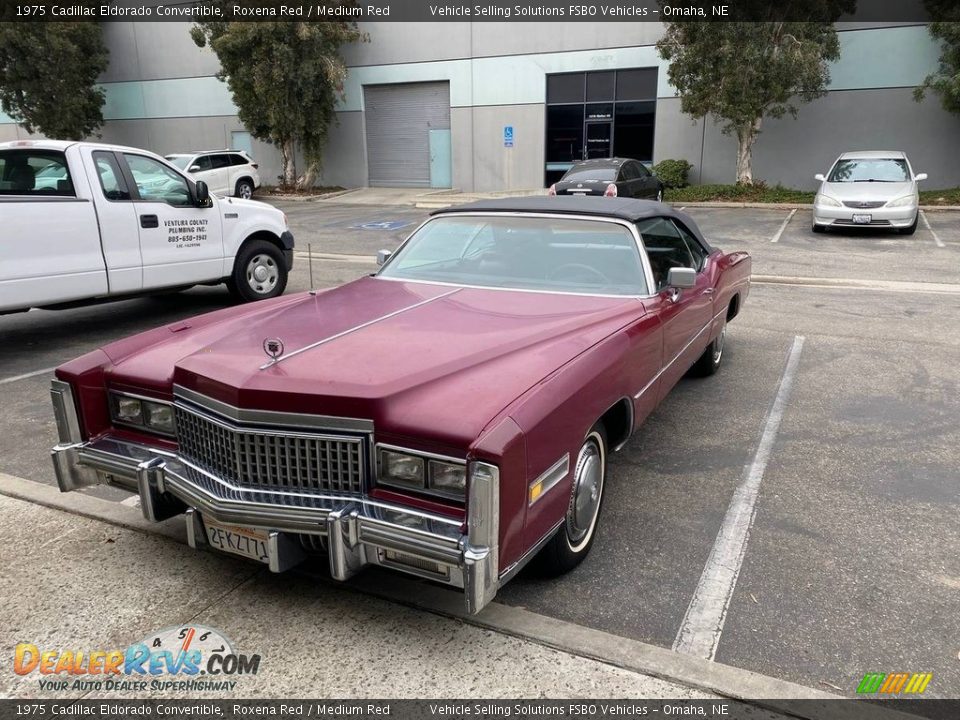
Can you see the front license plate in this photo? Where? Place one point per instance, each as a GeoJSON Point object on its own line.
{"type": "Point", "coordinates": [246, 542]}
{"type": "Point", "coordinates": [862, 219]}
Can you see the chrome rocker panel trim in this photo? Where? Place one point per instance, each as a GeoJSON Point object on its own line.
{"type": "Point", "coordinates": [359, 531]}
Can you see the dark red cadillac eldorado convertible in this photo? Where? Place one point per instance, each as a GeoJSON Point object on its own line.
{"type": "Point", "coordinates": [450, 416]}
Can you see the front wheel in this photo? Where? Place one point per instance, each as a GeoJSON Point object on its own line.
{"type": "Point", "coordinates": [573, 540]}
{"type": "Point", "coordinates": [259, 272]}
{"type": "Point", "coordinates": [910, 229]}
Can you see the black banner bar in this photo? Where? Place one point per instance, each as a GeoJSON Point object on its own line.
{"type": "Point", "coordinates": [883, 11]}
{"type": "Point", "coordinates": [720, 709]}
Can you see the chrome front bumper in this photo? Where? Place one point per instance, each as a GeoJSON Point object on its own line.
{"type": "Point", "coordinates": [358, 531]}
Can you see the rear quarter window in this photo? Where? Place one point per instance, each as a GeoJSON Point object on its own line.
{"type": "Point", "coordinates": [35, 173]}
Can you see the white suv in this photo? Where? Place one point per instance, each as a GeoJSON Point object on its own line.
{"type": "Point", "coordinates": [226, 172]}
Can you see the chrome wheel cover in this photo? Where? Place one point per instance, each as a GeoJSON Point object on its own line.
{"type": "Point", "coordinates": [587, 493]}
{"type": "Point", "coordinates": [262, 274]}
{"type": "Point", "coordinates": [246, 192]}
{"type": "Point", "coordinates": [718, 346]}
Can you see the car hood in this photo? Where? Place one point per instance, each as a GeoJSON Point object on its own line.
{"type": "Point", "coordinates": [248, 206]}
{"type": "Point", "coordinates": [853, 191]}
{"type": "Point", "coordinates": [418, 359]}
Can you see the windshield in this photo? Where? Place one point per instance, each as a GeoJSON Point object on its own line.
{"type": "Point", "coordinates": [556, 254]}
{"type": "Point", "coordinates": [870, 170]}
{"type": "Point", "coordinates": [179, 161]}
{"type": "Point", "coordinates": [606, 174]}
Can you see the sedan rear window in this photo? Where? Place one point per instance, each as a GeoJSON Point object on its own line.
{"type": "Point", "coordinates": [606, 174]}
{"type": "Point", "coordinates": [870, 170]}
{"type": "Point", "coordinates": [553, 254]}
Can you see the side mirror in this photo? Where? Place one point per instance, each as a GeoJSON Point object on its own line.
{"type": "Point", "coordinates": [194, 168]}
{"type": "Point", "coordinates": [921, 176]}
{"type": "Point", "coordinates": [681, 278]}
{"type": "Point", "coordinates": [383, 256]}
{"type": "Point", "coordinates": [202, 193]}
{"type": "Point", "coordinates": [820, 177]}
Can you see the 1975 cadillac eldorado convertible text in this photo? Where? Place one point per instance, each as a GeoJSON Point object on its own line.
{"type": "Point", "coordinates": [450, 416]}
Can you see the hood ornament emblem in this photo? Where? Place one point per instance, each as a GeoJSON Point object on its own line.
{"type": "Point", "coordinates": [273, 347]}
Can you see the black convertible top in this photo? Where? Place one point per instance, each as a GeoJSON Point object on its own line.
{"type": "Point", "coordinates": [628, 209]}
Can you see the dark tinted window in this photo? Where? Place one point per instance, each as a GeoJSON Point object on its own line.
{"type": "Point", "coordinates": [111, 179]}
{"type": "Point", "coordinates": [607, 174]}
{"type": "Point", "coordinates": [238, 160]}
{"type": "Point", "coordinates": [637, 84]}
{"type": "Point", "coordinates": [219, 161]}
{"type": "Point", "coordinates": [201, 164]}
{"type": "Point", "coordinates": [633, 136]}
{"type": "Point", "coordinates": [629, 171]}
{"type": "Point", "coordinates": [564, 133]}
{"type": "Point", "coordinates": [600, 86]}
{"type": "Point", "coordinates": [565, 88]}
{"type": "Point", "coordinates": [34, 172]}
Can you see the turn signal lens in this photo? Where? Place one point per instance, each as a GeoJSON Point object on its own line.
{"type": "Point", "coordinates": [611, 190]}
{"type": "Point", "coordinates": [904, 201]}
{"type": "Point", "coordinates": [827, 201]}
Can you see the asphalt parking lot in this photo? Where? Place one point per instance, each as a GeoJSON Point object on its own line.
{"type": "Point", "coordinates": [851, 563]}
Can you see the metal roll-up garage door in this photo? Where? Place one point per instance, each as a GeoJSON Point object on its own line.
{"type": "Point", "coordinates": [399, 119]}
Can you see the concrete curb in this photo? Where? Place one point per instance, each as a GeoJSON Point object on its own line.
{"type": "Point", "coordinates": [306, 198]}
{"type": "Point", "coordinates": [632, 655]}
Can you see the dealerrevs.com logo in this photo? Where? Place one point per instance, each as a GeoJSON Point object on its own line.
{"type": "Point", "coordinates": [186, 658]}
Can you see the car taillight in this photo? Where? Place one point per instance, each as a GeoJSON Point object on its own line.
{"type": "Point", "coordinates": [611, 190]}
{"type": "Point", "coordinates": [552, 190]}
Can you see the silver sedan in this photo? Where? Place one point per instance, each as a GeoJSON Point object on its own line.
{"type": "Point", "coordinates": [868, 189]}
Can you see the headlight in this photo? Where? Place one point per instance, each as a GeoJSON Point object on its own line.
{"type": "Point", "coordinates": [410, 470]}
{"type": "Point", "coordinates": [828, 201]}
{"type": "Point", "coordinates": [152, 415]}
{"type": "Point", "coordinates": [400, 469]}
{"type": "Point", "coordinates": [447, 478]}
{"type": "Point", "coordinates": [904, 201]}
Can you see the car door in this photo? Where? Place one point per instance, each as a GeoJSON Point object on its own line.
{"type": "Point", "coordinates": [117, 218]}
{"type": "Point", "coordinates": [647, 185]}
{"type": "Point", "coordinates": [220, 174]}
{"type": "Point", "coordinates": [685, 315]}
{"type": "Point", "coordinates": [48, 234]}
{"type": "Point", "coordinates": [180, 243]}
{"type": "Point", "coordinates": [628, 181]}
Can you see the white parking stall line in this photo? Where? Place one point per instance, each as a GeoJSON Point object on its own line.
{"type": "Point", "coordinates": [702, 625]}
{"type": "Point", "coordinates": [45, 371]}
{"type": "Point", "coordinates": [926, 224]}
{"type": "Point", "coordinates": [783, 226]}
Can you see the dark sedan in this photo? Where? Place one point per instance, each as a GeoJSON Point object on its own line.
{"type": "Point", "coordinates": [611, 177]}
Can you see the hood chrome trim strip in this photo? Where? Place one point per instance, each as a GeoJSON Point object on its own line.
{"type": "Point", "coordinates": [361, 326]}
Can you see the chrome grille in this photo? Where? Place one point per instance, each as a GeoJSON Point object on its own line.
{"type": "Point", "coordinates": [864, 204]}
{"type": "Point", "coordinates": [271, 459]}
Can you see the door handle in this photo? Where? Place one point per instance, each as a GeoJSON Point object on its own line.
{"type": "Point", "coordinates": [149, 221]}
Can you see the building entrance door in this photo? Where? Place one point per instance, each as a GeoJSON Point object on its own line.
{"type": "Point", "coordinates": [598, 140]}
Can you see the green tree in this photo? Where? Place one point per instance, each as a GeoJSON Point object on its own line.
{"type": "Point", "coordinates": [741, 72]}
{"type": "Point", "coordinates": [945, 28]}
{"type": "Point", "coordinates": [48, 74]}
{"type": "Point", "coordinates": [286, 78]}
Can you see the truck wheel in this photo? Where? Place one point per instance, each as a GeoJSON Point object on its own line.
{"type": "Point", "coordinates": [573, 540]}
{"type": "Point", "coordinates": [244, 189]}
{"type": "Point", "coordinates": [259, 272]}
{"type": "Point", "coordinates": [709, 362]}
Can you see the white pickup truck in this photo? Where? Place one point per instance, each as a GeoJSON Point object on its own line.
{"type": "Point", "coordinates": [82, 222]}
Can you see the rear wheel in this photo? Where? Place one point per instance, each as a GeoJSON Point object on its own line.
{"type": "Point", "coordinates": [709, 362]}
{"type": "Point", "coordinates": [573, 540]}
{"type": "Point", "coordinates": [259, 272]}
{"type": "Point", "coordinates": [911, 229]}
{"type": "Point", "coordinates": [244, 189]}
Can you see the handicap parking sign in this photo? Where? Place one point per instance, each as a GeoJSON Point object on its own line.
{"type": "Point", "coordinates": [381, 225]}
{"type": "Point", "coordinates": [508, 136]}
